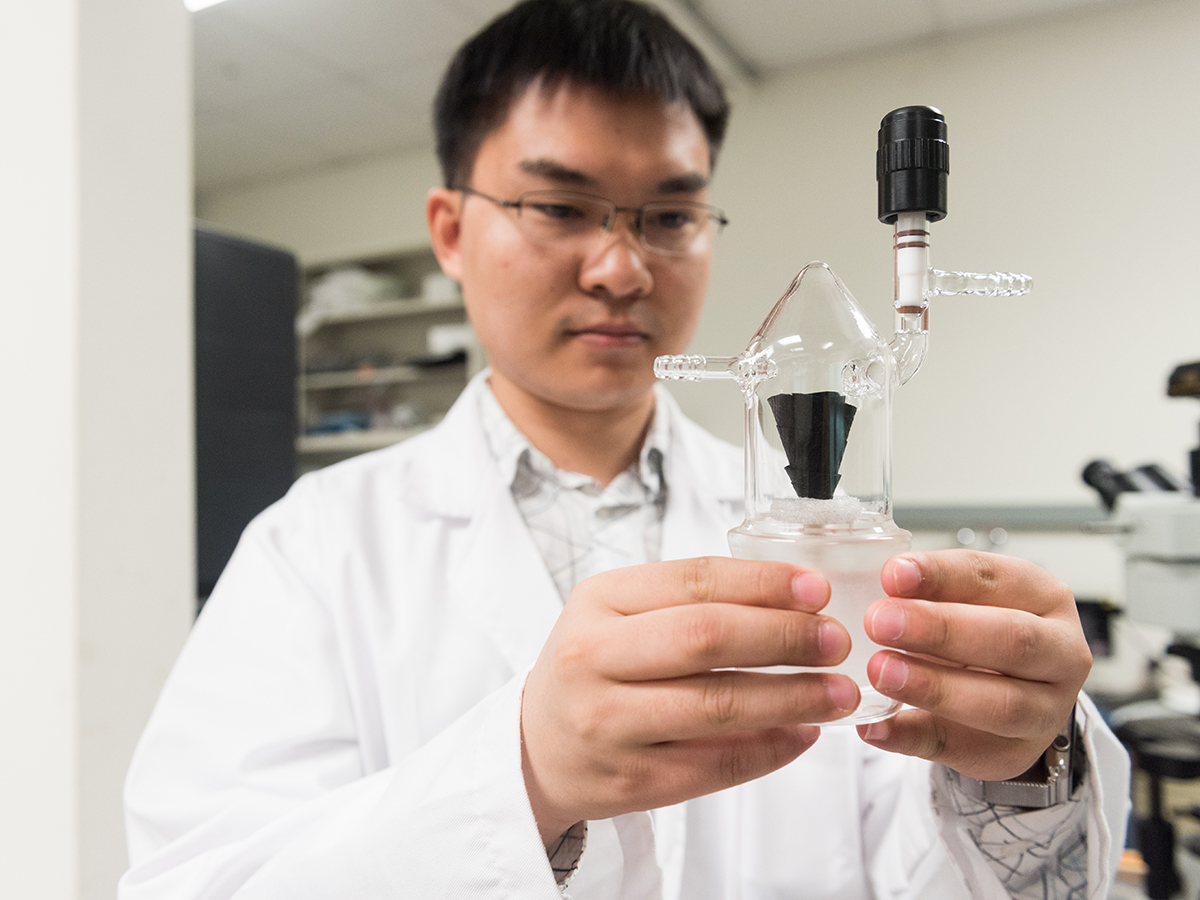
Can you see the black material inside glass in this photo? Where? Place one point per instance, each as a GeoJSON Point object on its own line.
{"type": "Point", "coordinates": [813, 429]}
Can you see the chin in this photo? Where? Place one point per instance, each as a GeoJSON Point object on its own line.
{"type": "Point", "coordinates": [583, 386]}
{"type": "Point", "coordinates": [611, 393]}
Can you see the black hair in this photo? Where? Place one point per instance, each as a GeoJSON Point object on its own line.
{"type": "Point", "coordinates": [617, 45]}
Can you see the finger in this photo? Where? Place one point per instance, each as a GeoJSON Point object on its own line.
{"type": "Point", "coordinates": [706, 579]}
{"type": "Point", "coordinates": [1005, 640]}
{"type": "Point", "coordinates": [974, 753]}
{"type": "Point", "coordinates": [680, 770]}
{"type": "Point", "coordinates": [731, 702]}
{"type": "Point", "coordinates": [686, 640]}
{"type": "Point", "coordinates": [985, 579]}
{"type": "Point", "coordinates": [998, 704]}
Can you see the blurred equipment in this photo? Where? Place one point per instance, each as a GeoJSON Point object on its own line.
{"type": "Point", "coordinates": [1110, 483]}
{"type": "Point", "coordinates": [245, 298]}
{"type": "Point", "coordinates": [1096, 615]}
{"type": "Point", "coordinates": [1185, 382]}
{"type": "Point", "coordinates": [1162, 748]}
{"type": "Point", "coordinates": [1156, 520]}
{"type": "Point", "coordinates": [1160, 534]}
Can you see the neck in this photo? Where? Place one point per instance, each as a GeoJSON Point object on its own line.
{"type": "Point", "coordinates": [598, 443]}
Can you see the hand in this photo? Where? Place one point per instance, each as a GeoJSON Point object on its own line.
{"type": "Point", "coordinates": [1000, 659]}
{"type": "Point", "coordinates": [624, 710]}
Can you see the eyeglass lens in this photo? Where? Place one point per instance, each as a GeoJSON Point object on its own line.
{"type": "Point", "coordinates": [551, 217]}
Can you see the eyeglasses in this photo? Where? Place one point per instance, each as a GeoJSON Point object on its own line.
{"type": "Point", "coordinates": [561, 218]}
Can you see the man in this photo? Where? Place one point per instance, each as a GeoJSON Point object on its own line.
{"type": "Point", "coordinates": [355, 714]}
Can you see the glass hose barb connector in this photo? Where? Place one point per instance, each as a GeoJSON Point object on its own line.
{"type": "Point", "coordinates": [817, 381]}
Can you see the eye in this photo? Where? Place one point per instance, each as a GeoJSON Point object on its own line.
{"type": "Point", "coordinates": [562, 212]}
{"type": "Point", "coordinates": [674, 219]}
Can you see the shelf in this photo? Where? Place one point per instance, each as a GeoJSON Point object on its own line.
{"type": "Point", "coordinates": [361, 377]}
{"type": "Point", "coordinates": [354, 441]}
{"type": "Point", "coordinates": [369, 375]}
{"type": "Point", "coordinates": [388, 309]}
{"type": "Point", "coordinates": [343, 387]}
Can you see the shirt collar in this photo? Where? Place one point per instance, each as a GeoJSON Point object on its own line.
{"type": "Point", "coordinates": [507, 445]}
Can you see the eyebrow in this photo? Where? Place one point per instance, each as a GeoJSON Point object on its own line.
{"type": "Point", "coordinates": [549, 169]}
{"type": "Point", "coordinates": [683, 184]}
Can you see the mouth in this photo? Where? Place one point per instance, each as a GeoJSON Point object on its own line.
{"type": "Point", "coordinates": [611, 335]}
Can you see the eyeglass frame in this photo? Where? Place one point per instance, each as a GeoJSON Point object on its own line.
{"type": "Point", "coordinates": [714, 214]}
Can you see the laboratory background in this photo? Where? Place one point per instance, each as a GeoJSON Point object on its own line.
{"type": "Point", "coordinates": [157, 159]}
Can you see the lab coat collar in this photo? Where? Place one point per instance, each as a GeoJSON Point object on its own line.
{"type": "Point", "coordinates": [500, 575]}
{"type": "Point", "coordinates": [455, 464]}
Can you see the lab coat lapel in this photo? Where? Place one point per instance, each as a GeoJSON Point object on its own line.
{"type": "Point", "coordinates": [503, 580]}
{"type": "Point", "coordinates": [703, 477]}
{"type": "Point", "coordinates": [497, 576]}
{"type": "Point", "coordinates": [694, 526]}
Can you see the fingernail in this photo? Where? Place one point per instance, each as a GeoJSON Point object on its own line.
{"type": "Point", "coordinates": [810, 590]}
{"type": "Point", "coordinates": [888, 622]}
{"type": "Point", "coordinates": [844, 693]}
{"type": "Point", "coordinates": [877, 731]}
{"type": "Point", "coordinates": [893, 676]}
{"type": "Point", "coordinates": [808, 733]}
{"type": "Point", "coordinates": [832, 640]}
{"type": "Point", "coordinates": [907, 575]}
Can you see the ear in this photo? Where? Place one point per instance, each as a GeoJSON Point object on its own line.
{"type": "Point", "coordinates": [443, 215]}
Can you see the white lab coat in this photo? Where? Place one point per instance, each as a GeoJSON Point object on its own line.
{"type": "Point", "coordinates": [344, 720]}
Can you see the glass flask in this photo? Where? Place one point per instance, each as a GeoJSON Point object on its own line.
{"type": "Point", "coordinates": [818, 381]}
{"type": "Point", "coordinates": [818, 477]}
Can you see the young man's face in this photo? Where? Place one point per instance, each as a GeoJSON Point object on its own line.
{"type": "Point", "coordinates": [577, 326]}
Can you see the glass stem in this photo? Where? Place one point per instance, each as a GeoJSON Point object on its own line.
{"type": "Point", "coordinates": [911, 293]}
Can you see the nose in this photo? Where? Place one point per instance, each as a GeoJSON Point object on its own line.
{"type": "Point", "coordinates": [615, 267]}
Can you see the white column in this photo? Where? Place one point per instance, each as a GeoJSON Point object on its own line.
{"type": "Point", "coordinates": [96, 483]}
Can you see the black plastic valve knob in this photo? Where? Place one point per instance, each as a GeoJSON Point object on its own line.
{"type": "Point", "coordinates": [912, 163]}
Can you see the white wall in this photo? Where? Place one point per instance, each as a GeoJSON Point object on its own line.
{"type": "Point", "coordinates": [374, 207]}
{"type": "Point", "coordinates": [96, 540]}
{"type": "Point", "coordinates": [1071, 145]}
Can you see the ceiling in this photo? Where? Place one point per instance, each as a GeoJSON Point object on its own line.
{"type": "Point", "coordinates": [288, 86]}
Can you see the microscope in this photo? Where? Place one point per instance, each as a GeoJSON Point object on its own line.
{"type": "Point", "coordinates": [1156, 521]}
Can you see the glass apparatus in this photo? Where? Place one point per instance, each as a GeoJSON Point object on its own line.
{"type": "Point", "coordinates": [817, 382]}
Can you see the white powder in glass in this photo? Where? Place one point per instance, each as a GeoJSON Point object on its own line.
{"type": "Point", "coordinates": [809, 511]}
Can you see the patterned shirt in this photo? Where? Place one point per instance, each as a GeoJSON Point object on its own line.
{"type": "Point", "coordinates": [580, 527]}
{"type": "Point", "coordinates": [1038, 854]}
